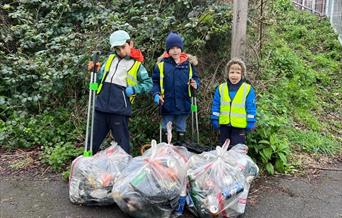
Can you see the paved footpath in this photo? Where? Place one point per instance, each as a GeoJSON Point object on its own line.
{"type": "Point", "coordinates": [313, 197]}
{"type": "Point", "coordinates": [274, 197]}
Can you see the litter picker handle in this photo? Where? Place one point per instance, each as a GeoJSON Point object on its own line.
{"type": "Point", "coordinates": [91, 106]}
{"type": "Point", "coordinates": [95, 58]}
{"type": "Point", "coordinates": [193, 91]}
{"type": "Point", "coordinates": [93, 85]}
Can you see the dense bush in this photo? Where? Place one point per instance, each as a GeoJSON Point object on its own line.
{"type": "Point", "coordinates": [45, 46]}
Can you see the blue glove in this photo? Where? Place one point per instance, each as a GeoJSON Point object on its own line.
{"type": "Point", "coordinates": [156, 99]}
{"type": "Point", "coordinates": [250, 126]}
{"type": "Point", "coordinates": [129, 91]}
{"type": "Point", "coordinates": [215, 124]}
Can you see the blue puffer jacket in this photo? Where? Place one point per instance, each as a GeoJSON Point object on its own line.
{"type": "Point", "coordinates": [250, 104]}
{"type": "Point", "coordinates": [176, 78]}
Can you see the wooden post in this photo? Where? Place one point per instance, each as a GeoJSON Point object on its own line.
{"type": "Point", "coordinates": [239, 28]}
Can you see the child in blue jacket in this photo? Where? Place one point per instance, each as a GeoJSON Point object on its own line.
{"type": "Point", "coordinates": [173, 77]}
{"type": "Point", "coordinates": [234, 105]}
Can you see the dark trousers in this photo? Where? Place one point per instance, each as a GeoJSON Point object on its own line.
{"type": "Point", "coordinates": [118, 124]}
{"type": "Point", "coordinates": [236, 135]}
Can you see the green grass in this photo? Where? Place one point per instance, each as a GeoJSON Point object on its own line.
{"type": "Point", "coordinates": [315, 142]}
{"type": "Point", "coordinates": [299, 105]}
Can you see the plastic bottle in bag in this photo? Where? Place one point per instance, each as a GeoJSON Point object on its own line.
{"type": "Point", "coordinates": [232, 190]}
{"type": "Point", "coordinates": [139, 178]}
{"type": "Point", "coordinates": [213, 204]}
{"type": "Point", "coordinates": [189, 200]}
{"type": "Point", "coordinates": [181, 204]}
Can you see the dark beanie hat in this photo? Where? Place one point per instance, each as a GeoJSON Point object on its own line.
{"type": "Point", "coordinates": [172, 40]}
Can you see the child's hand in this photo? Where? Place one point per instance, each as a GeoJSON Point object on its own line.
{"type": "Point", "coordinates": [158, 99]}
{"type": "Point", "coordinates": [193, 83]}
{"type": "Point", "coordinates": [91, 66]}
{"type": "Point", "coordinates": [129, 91]}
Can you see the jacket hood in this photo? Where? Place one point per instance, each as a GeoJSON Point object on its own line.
{"type": "Point", "coordinates": [184, 57]}
{"type": "Point", "coordinates": [136, 54]}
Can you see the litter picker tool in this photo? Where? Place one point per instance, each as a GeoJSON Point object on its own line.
{"type": "Point", "coordinates": [88, 145]}
{"type": "Point", "coordinates": [194, 114]}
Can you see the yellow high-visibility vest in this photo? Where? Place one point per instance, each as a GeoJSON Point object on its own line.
{"type": "Point", "coordinates": [161, 78]}
{"type": "Point", "coordinates": [131, 75]}
{"type": "Point", "coordinates": [233, 112]}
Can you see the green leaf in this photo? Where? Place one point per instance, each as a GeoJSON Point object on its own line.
{"type": "Point", "coordinates": [270, 168]}
{"type": "Point", "coordinates": [264, 142]}
{"type": "Point", "coordinates": [267, 152]}
{"type": "Point", "coordinates": [273, 139]}
{"type": "Point", "coordinates": [282, 157]}
{"type": "Point", "coordinates": [263, 158]}
{"type": "Point", "coordinates": [279, 165]}
{"type": "Point", "coordinates": [283, 147]}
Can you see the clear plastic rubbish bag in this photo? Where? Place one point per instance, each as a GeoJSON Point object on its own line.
{"type": "Point", "coordinates": [240, 159]}
{"type": "Point", "coordinates": [92, 178]}
{"type": "Point", "coordinates": [151, 184]}
{"type": "Point", "coordinates": [218, 186]}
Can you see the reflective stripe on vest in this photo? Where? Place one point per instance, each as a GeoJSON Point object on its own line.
{"type": "Point", "coordinates": [161, 78]}
{"type": "Point", "coordinates": [233, 112]}
{"type": "Point", "coordinates": [131, 75]}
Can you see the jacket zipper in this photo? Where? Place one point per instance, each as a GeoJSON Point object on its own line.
{"type": "Point", "coordinates": [116, 67]}
{"type": "Point", "coordinates": [124, 97]}
{"type": "Point", "coordinates": [111, 80]}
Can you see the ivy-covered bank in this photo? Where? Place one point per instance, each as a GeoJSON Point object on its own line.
{"type": "Point", "coordinates": [45, 46]}
{"type": "Point", "coordinates": [299, 87]}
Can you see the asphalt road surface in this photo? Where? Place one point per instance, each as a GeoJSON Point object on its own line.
{"type": "Point", "coordinates": [276, 197]}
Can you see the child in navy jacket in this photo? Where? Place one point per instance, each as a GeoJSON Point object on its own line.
{"type": "Point", "coordinates": [173, 77]}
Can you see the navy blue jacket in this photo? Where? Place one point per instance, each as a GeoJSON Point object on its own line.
{"type": "Point", "coordinates": [176, 79]}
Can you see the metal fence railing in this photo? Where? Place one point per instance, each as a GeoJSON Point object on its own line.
{"type": "Point", "coordinates": [334, 13]}
{"type": "Point", "coordinates": [330, 8]}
